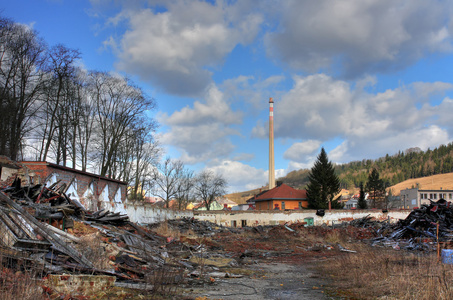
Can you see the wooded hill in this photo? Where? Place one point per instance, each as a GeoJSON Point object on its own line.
{"type": "Point", "coordinates": [411, 163]}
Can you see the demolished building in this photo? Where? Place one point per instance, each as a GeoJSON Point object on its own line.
{"type": "Point", "coordinates": [94, 192]}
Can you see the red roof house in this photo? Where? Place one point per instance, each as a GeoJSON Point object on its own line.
{"type": "Point", "coordinates": [280, 197]}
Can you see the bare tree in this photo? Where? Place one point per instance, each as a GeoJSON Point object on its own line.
{"type": "Point", "coordinates": [185, 188]}
{"type": "Point", "coordinates": [119, 108]}
{"type": "Point", "coordinates": [146, 155]}
{"type": "Point", "coordinates": [22, 56]}
{"type": "Point", "coordinates": [57, 117]}
{"type": "Point", "coordinates": [209, 186]}
{"type": "Point", "coordinates": [86, 121]}
{"type": "Point", "coordinates": [167, 179]}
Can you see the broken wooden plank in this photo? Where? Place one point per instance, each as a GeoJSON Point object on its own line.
{"type": "Point", "coordinates": [51, 237]}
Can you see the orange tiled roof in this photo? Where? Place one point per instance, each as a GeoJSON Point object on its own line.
{"type": "Point", "coordinates": [282, 191]}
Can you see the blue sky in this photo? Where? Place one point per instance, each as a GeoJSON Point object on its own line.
{"type": "Point", "coordinates": [360, 78]}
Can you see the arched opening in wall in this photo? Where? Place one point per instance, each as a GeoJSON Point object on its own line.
{"type": "Point", "coordinates": [88, 199]}
{"type": "Point", "coordinates": [104, 200]}
{"type": "Point", "coordinates": [51, 179]}
{"type": "Point", "coordinates": [71, 190]}
{"type": "Point", "coordinates": [119, 205]}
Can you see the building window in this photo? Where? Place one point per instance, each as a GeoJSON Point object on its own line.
{"type": "Point", "coordinates": [233, 224]}
{"type": "Point", "coordinates": [431, 196]}
{"type": "Point", "coordinates": [421, 196]}
{"type": "Point", "coordinates": [435, 196]}
{"type": "Point", "coordinates": [450, 196]}
{"type": "Point", "coordinates": [244, 223]}
{"type": "Point", "coordinates": [300, 205]}
{"type": "Point", "coordinates": [283, 205]}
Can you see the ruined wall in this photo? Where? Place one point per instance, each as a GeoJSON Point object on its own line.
{"type": "Point", "coordinates": [93, 191]}
{"type": "Point", "coordinates": [145, 213]}
{"type": "Point", "coordinates": [255, 218]}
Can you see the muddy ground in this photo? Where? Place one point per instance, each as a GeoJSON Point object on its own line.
{"type": "Point", "coordinates": [273, 280]}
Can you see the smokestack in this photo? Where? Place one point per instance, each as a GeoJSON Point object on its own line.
{"type": "Point", "coordinates": [271, 145]}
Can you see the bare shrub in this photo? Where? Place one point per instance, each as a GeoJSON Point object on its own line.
{"type": "Point", "coordinates": [164, 280]}
{"type": "Point", "coordinates": [164, 229]}
{"type": "Point", "coordinates": [91, 247]}
{"type": "Point", "coordinates": [18, 281]}
{"type": "Point", "coordinates": [334, 237]}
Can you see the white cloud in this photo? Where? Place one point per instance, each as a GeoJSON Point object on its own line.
{"type": "Point", "coordinates": [241, 177]}
{"type": "Point", "coordinates": [319, 109]}
{"type": "Point", "coordinates": [431, 136]}
{"type": "Point", "coordinates": [215, 109]}
{"type": "Point", "coordinates": [298, 152]}
{"type": "Point", "coordinates": [359, 36]}
{"type": "Point", "coordinates": [250, 91]}
{"type": "Point", "coordinates": [338, 154]}
{"type": "Point", "coordinates": [202, 132]}
{"type": "Point", "coordinates": [315, 108]}
{"type": "Point", "coordinates": [174, 47]}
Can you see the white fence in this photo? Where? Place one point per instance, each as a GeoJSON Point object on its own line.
{"type": "Point", "coordinates": [145, 213]}
{"type": "Point", "coordinates": [255, 218]}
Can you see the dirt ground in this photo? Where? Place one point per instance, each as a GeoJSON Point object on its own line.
{"type": "Point", "coordinates": [271, 280]}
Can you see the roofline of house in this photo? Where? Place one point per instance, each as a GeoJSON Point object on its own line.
{"type": "Point", "coordinates": [55, 166]}
{"type": "Point", "coordinates": [258, 200]}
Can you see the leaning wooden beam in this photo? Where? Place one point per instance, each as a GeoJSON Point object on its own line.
{"type": "Point", "coordinates": [62, 233]}
{"type": "Point", "coordinates": [143, 232]}
{"type": "Point", "coordinates": [51, 237]}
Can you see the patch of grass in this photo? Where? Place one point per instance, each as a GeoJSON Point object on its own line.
{"type": "Point", "coordinates": [374, 273]}
{"type": "Point", "coordinates": [164, 229]}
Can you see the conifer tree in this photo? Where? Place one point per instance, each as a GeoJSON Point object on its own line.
{"type": "Point", "coordinates": [375, 186]}
{"type": "Point", "coordinates": [323, 183]}
{"type": "Point", "coordinates": [362, 202]}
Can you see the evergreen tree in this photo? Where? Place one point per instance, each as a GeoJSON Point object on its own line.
{"type": "Point", "coordinates": [362, 202]}
{"type": "Point", "coordinates": [375, 186]}
{"type": "Point", "coordinates": [323, 183]}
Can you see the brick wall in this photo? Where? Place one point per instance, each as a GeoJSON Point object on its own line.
{"type": "Point", "coordinates": [44, 171]}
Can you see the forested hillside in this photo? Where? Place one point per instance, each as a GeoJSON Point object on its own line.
{"type": "Point", "coordinates": [393, 169]}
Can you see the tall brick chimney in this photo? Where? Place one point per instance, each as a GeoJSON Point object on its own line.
{"type": "Point", "coordinates": [271, 145]}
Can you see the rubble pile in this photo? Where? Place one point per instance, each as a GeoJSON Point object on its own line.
{"type": "Point", "coordinates": [203, 228]}
{"type": "Point", "coordinates": [423, 222]}
{"type": "Point", "coordinates": [53, 233]}
{"type": "Point", "coordinates": [421, 230]}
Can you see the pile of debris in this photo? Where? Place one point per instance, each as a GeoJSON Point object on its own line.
{"type": "Point", "coordinates": [202, 228]}
{"type": "Point", "coordinates": [422, 229]}
{"type": "Point", "coordinates": [58, 236]}
{"type": "Point", "coordinates": [435, 219]}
